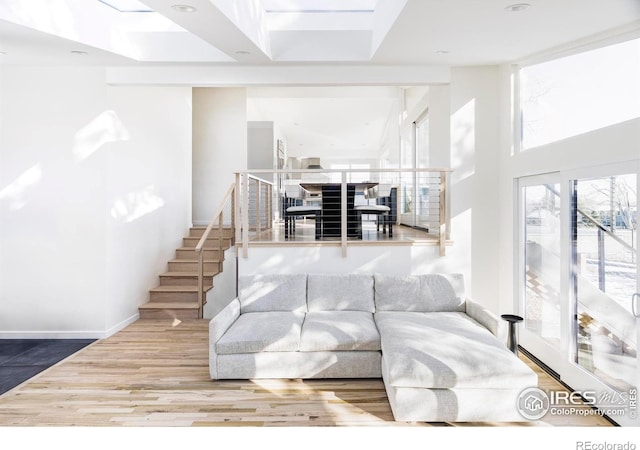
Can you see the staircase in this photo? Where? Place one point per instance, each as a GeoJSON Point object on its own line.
{"type": "Point", "coordinates": [177, 295]}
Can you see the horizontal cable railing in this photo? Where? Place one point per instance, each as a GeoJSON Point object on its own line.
{"type": "Point", "coordinates": [255, 200]}
{"type": "Point", "coordinates": [343, 205]}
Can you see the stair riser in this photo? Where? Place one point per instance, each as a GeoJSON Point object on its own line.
{"type": "Point", "coordinates": [214, 233]}
{"type": "Point", "coordinates": [209, 243]}
{"type": "Point", "coordinates": [192, 266]}
{"type": "Point", "coordinates": [162, 314]}
{"type": "Point", "coordinates": [191, 254]}
{"type": "Point", "coordinates": [173, 296]}
{"type": "Point", "coordinates": [183, 281]}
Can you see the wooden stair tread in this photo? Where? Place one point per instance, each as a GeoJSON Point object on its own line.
{"type": "Point", "coordinates": [170, 305]}
{"type": "Point", "coordinates": [205, 248]}
{"type": "Point", "coordinates": [188, 261]}
{"type": "Point", "coordinates": [185, 288]}
{"type": "Point", "coordinates": [209, 238]}
{"type": "Point", "coordinates": [210, 246]}
{"type": "Point", "coordinates": [187, 274]}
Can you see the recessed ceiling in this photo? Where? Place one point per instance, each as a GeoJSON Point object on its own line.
{"type": "Point", "coordinates": [268, 32]}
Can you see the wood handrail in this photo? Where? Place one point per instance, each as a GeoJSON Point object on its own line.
{"type": "Point", "coordinates": [261, 180]}
{"type": "Point", "coordinates": [226, 197]}
{"type": "Point", "coordinates": [218, 216]}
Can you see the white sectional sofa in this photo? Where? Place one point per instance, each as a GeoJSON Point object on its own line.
{"type": "Point", "coordinates": [441, 356]}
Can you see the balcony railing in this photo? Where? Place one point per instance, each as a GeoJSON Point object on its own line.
{"type": "Point", "coordinates": [417, 200]}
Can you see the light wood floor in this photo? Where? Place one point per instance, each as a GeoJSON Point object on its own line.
{"type": "Point", "coordinates": [155, 373]}
{"type": "Point", "coordinates": [305, 233]}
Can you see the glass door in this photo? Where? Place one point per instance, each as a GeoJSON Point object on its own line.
{"type": "Point", "coordinates": [579, 282]}
{"type": "Point", "coordinates": [604, 261]}
{"type": "Point", "coordinates": [542, 273]}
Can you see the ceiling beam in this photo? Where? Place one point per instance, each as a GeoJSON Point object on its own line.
{"type": "Point", "coordinates": [280, 75]}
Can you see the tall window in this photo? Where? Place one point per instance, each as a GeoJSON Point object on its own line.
{"type": "Point", "coordinates": [577, 94]}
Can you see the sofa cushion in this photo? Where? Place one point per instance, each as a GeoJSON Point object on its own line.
{"type": "Point", "coordinates": [447, 350]}
{"type": "Point", "coordinates": [262, 293]}
{"type": "Point", "coordinates": [421, 293]}
{"type": "Point", "coordinates": [262, 332]}
{"type": "Point", "coordinates": [340, 292]}
{"type": "Point", "coordinates": [339, 330]}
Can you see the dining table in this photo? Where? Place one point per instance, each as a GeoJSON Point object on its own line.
{"type": "Point", "coordinates": [330, 195]}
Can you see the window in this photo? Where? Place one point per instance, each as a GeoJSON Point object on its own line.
{"type": "Point", "coordinates": [577, 94]}
{"type": "Point", "coordinates": [354, 177]}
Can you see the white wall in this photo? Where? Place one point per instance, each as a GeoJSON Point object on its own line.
{"type": "Point", "coordinates": [475, 144]}
{"type": "Point", "coordinates": [82, 165]}
{"type": "Point", "coordinates": [464, 134]}
{"type": "Point", "coordinates": [149, 177]}
{"type": "Point", "coordinates": [439, 126]}
{"type": "Point", "coordinates": [260, 145]}
{"type": "Point", "coordinates": [219, 146]}
{"type": "Point", "coordinates": [53, 211]}
{"type": "Point", "coordinates": [225, 288]}
{"type": "Point", "coordinates": [399, 260]}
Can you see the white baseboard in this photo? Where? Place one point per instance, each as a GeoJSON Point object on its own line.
{"type": "Point", "coordinates": [86, 334]}
{"type": "Point", "coordinates": [120, 326]}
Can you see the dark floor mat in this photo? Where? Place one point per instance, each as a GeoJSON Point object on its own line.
{"type": "Point", "coordinates": [21, 359]}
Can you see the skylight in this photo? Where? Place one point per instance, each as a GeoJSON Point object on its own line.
{"type": "Point", "coordinates": [319, 6]}
{"type": "Point", "coordinates": [313, 15]}
{"type": "Point", "coordinates": [127, 6]}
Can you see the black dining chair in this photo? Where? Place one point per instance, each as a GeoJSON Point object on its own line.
{"type": "Point", "coordinates": [294, 207]}
{"type": "Point", "coordinates": [382, 208]}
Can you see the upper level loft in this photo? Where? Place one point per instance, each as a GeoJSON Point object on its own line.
{"type": "Point", "coordinates": [344, 208]}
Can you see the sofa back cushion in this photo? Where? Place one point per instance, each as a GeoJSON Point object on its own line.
{"type": "Point", "coordinates": [335, 292]}
{"type": "Point", "coordinates": [419, 293]}
{"type": "Point", "coordinates": [264, 293]}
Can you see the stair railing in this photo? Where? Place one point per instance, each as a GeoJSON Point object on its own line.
{"type": "Point", "coordinates": [218, 218]}
{"type": "Point", "coordinates": [255, 200]}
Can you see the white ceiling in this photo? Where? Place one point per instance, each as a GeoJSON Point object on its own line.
{"type": "Point", "coordinates": [317, 33]}
{"type": "Point", "coordinates": [404, 32]}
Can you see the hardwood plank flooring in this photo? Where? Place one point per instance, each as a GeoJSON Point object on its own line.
{"type": "Point", "coordinates": [305, 234]}
{"type": "Point", "coordinates": [155, 373]}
